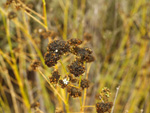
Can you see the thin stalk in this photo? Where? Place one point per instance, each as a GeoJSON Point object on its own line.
{"type": "Point", "coordinates": [36, 19]}
{"type": "Point", "coordinates": [32, 41]}
{"type": "Point", "coordinates": [45, 14]}
{"type": "Point", "coordinates": [115, 99]}
{"type": "Point", "coordinates": [83, 2]}
{"type": "Point", "coordinates": [12, 92]}
{"type": "Point", "coordinates": [63, 67]}
{"type": "Point", "coordinates": [85, 90]}
{"type": "Point", "coordinates": [67, 100]}
{"type": "Point", "coordinates": [15, 68]}
{"type": "Point", "coordinates": [3, 106]}
{"type": "Point", "coordinates": [65, 20]}
{"type": "Point", "coordinates": [53, 87]}
{"type": "Point", "coordinates": [37, 14]}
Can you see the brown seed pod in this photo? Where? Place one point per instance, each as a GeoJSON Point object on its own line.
{"type": "Point", "coordinates": [55, 77]}
{"type": "Point", "coordinates": [84, 83]}
{"type": "Point", "coordinates": [74, 41]}
{"type": "Point", "coordinates": [44, 34]}
{"type": "Point", "coordinates": [72, 79]}
{"type": "Point", "coordinates": [12, 15]}
{"type": "Point", "coordinates": [84, 54]}
{"type": "Point", "coordinates": [35, 64]}
{"type": "Point", "coordinates": [51, 58]}
{"type": "Point", "coordinates": [74, 92]}
{"type": "Point", "coordinates": [58, 46]}
{"type": "Point", "coordinates": [63, 83]}
{"type": "Point", "coordinates": [89, 58]}
{"type": "Point", "coordinates": [76, 68]}
{"type": "Point", "coordinates": [103, 107]}
{"type": "Point", "coordinates": [80, 51]}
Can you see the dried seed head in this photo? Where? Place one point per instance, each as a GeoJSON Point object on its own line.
{"type": "Point", "coordinates": [63, 83]}
{"type": "Point", "coordinates": [44, 34]}
{"type": "Point", "coordinates": [84, 54]}
{"type": "Point", "coordinates": [76, 68]}
{"type": "Point", "coordinates": [35, 64]}
{"type": "Point", "coordinates": [80, 51]}
{"type": "Point", "coordinates": [74, 92]}
{"type": "Point", "coordinates": [35, 104]}
{"type": "Point", "coordinates": [103, 107]}
{"type": "Point", "coordinates": [87, 36]}
{"type": "Point", "coordinates": [74, 41]}
{"type": "Point", "coordinates": [72, 79]}
{"type": "Point", "coordinates": [59, 45]}
{"type": "Point", "coordinates": [89, 58]}
{"type": "Point", "coordinates": [104, 95]}
{"type": "Point", "coordinates": [12, 15]}
{"type": "Point", "coordinates": [55, 77]}
{"type": "Point", "coordinates": [84, 83]}
{"type": "Point", "coordinates": [51, 58]}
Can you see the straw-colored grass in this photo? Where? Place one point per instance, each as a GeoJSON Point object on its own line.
{"type": "Point", "coordinates": [120, 42]}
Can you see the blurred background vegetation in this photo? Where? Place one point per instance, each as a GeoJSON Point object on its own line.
{"type": "Point", "coordinates": [120, 41]}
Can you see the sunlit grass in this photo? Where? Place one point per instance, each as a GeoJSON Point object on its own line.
{"type": "Point", "coordinates": [120, 42]}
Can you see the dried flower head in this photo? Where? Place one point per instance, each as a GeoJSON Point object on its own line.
{"type": "Point", "coordinates": [35, 64]}
{"type": "Point", "coordinates": [103, 107]}
{"type": "Point", "coordinates": [84, 83]}
{"type": "Point", "coordinates": [104, 95]}
{"type": "Point", "coordinates": [55, 77]}
{"type": "Point", "coordinates": [80, 51]}
{"type": "Point", "coordinates": [35, 104]}
{"type": "Point", "coordinates": [63, 83]}
{"type": "Point", "coordinates": [87, 36]}
{"type": "Point", "coordinates": [74, 92]}
{"type": "Point", "coordinates": [58, 46]}
{"type": "Point", "coordinates": [51, 58]}
{"type": "Point", "coordinates": [44, 34]}
{"type": "Point", "coordinates": [12, 15]}
{"type": "Point", "coordinates": [72, 79]}
{"type": "Point", "coordinates": [89, 58]}
{"type": "Point", "coordinates": [74, 41]}
{"type": "Point", "coordinates": [76, 68]}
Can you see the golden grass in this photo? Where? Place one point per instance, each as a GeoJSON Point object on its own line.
{"type": "Point", "coordinates": [121, 45]}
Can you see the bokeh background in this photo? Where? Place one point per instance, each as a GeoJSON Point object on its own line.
{"type": "Point", "coordinates": [120, 31]}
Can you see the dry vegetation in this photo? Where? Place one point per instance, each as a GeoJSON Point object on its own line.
{"type": "Point", "coordinates": [46, 65]}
